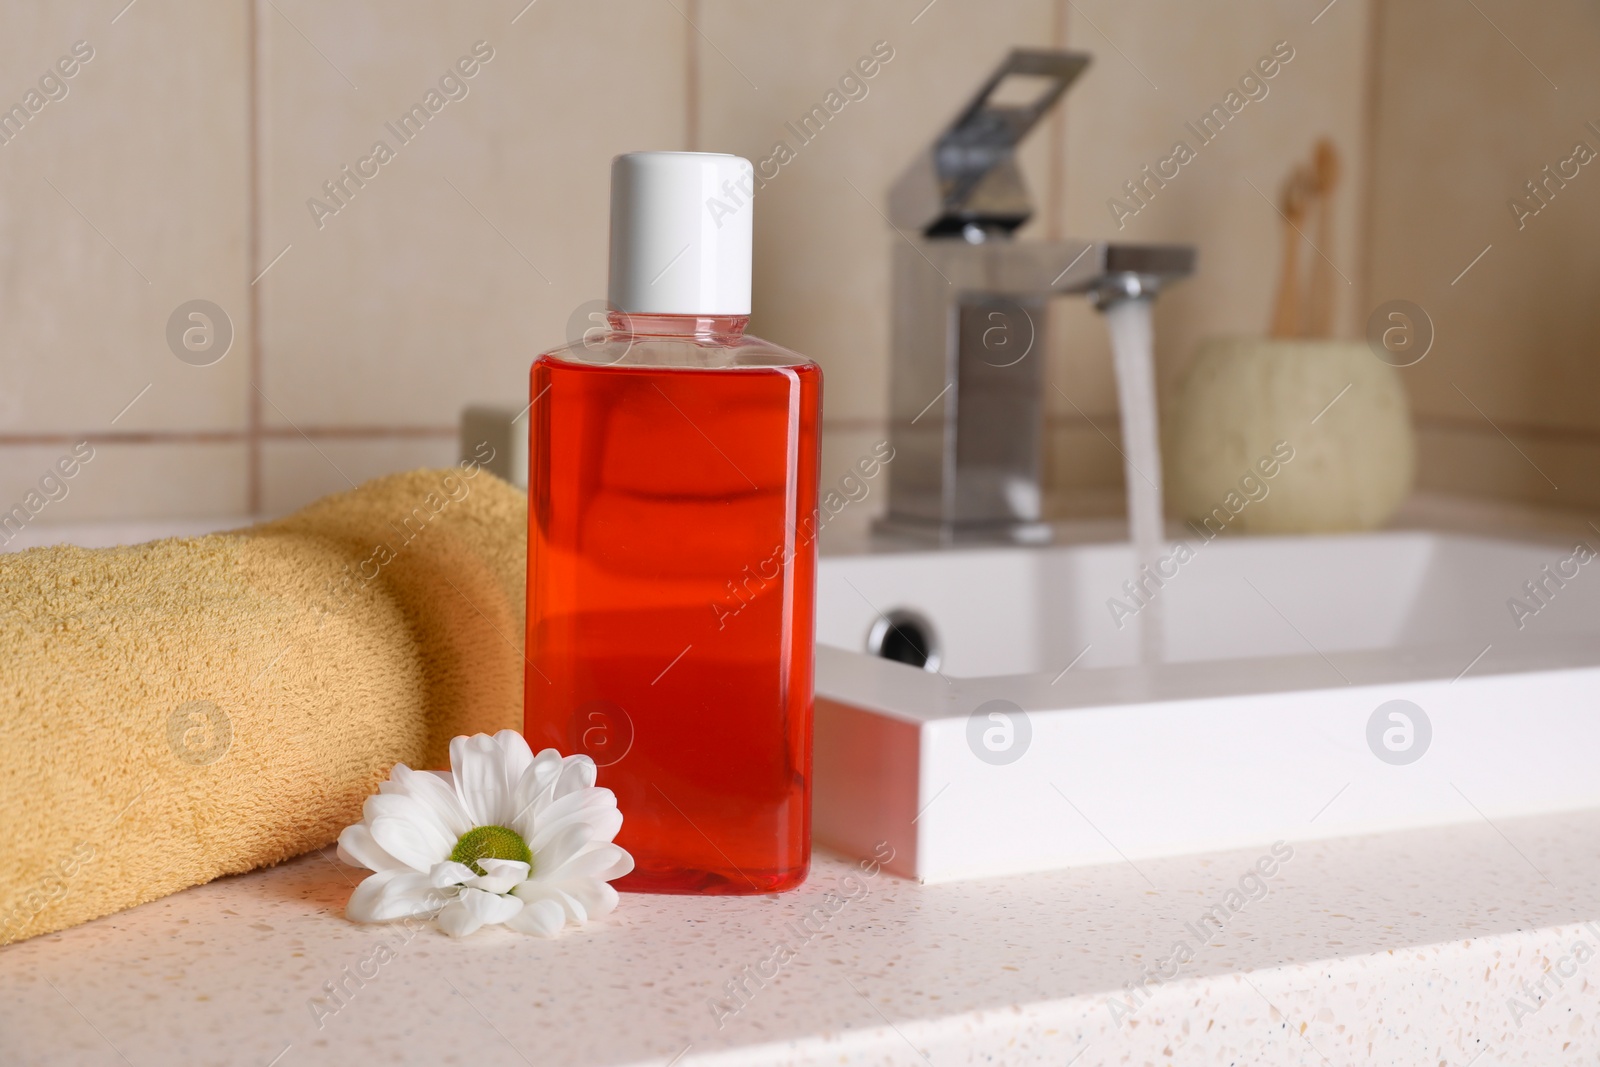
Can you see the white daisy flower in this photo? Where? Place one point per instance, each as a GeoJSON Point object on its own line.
{"type": "Point", "coordinates": [503, 837]}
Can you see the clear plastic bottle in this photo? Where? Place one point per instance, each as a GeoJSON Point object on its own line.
{"type": "Point", "coordinates": [671, 561]}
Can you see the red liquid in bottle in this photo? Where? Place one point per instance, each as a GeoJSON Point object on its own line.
{"type": "Point", "coordinates": [671, 565]}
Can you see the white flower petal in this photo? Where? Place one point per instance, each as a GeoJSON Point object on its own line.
{"type": "Point", "coordinates": [474, 908]}
{"type": "Point", "coordinates": [437, 793]}
{"type": "Point", "coordinates": [531, 794]}
{"type": "Point", "coordinates": [476, 767]}
{"type": "Point", "coordinates": [429, 838]}
{"type": "Point", "coordinates": [449, 873]}
{"type": "Point", "coordinates": [555, 853]}
{"type": "Point", "coordinates": [358, 849]}
{"type": "Point", "coordinates": [543, 918]}
{"type": "Point", "coordinates": [621, 863]}
{"type": "Point", "coordinates": [493, 907]}
{"type": "Point", "coordinates": [602, 862]}
{"type": "Point", "coordinates": [392, 894]}
{"type": "Point", "coordinates": [504, 868]}
{"type": "Point", "coordinates": [515, 757]}
{"type": "Point", "coordinates": [595, 807]}
{"type": "Point", "coordinates": [605, 823]}
{"type": "Point", "coordinates": [577, 772]}
{"type": "Point", "coordinates": [415, 844]}
{"type": "Point", "coordinates": [580, 899]}
{"type": "Point", "coordinates": [395, 802]}
{"type": "Point", "coordinates": [457, 921]}
{"type": "Point", "coordinates": [576, 912]}
{"type": "Point", "coordinates": [493, 883]}
{"type": "Point", "coordinates": [530, 891]}
{"type": "Point", "coordinates": [597, 898]}
{"type": "Point", "coordinates": [496, 866]}
{"type": "Point", "coordinates": [501, 875]}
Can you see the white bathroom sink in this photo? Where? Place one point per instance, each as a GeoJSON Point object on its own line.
{"type": "Point", "coordinates": [1262, 721]}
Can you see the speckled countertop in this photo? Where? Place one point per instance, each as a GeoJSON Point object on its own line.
{"type": "Point", "coordinates": [1471, 944]}
{"type": "Point", "coordinates": [1417, 948]}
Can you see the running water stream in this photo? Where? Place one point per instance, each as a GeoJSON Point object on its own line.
{"type": "Point", "coordinates": [1132, 350]}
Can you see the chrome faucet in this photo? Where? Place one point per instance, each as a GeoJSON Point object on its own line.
{"type": "Point", "coordinates": [966, 401]}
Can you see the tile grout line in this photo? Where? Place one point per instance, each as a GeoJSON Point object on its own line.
{"type": "Point", "coordinates": [1055, 204]}
{"type": "Point", "coordinates": [691, 76]}
{"type": "Point", "coordinates": [216, 437]}
{"type": "Point", "coordinates": [1366, 209]}
{"type": "Point", "coordinates": [1579, 435]}
{"type": "Point", "coordinates": [253, 465]}
{"type": "Point", "coordinates": [1569, 435]}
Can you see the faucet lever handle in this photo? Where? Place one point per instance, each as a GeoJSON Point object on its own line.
{"type": "Point", "coordinates": [969, 177]}
{"type": "Point", "coordinates": [1027, 84]}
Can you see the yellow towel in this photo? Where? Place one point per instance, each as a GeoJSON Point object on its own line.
{"type": "Point", "coordinates": [190, 708]}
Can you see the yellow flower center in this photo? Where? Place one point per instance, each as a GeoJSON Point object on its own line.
{"type": "Point", "coordinates": [491, 843]}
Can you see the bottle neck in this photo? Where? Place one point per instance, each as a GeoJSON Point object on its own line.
{"type": "Point", "coordinates": [703, 329]}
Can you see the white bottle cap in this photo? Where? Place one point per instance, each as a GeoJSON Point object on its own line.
{"type": "Point", "coordinates": [680, 233]}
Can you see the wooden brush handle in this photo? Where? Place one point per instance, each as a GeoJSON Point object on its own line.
{"type": "Point", "coordinates": [1286, 309]}
{"type": "Point", "coordinates": [1319, 287]}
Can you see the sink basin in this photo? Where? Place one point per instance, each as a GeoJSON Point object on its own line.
{"type": "Point", "coordinates": [1310, 686]}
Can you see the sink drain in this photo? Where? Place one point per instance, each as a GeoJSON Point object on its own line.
{"type": "Point", "coordinates": [905, 636]}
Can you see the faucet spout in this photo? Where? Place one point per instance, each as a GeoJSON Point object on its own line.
{"type": "Point", "coordinates": [967, 407]}
{"type": "Point", "coordinates": [1112, 271]}
{"type": "Point", "coordinates": [1117, 288]}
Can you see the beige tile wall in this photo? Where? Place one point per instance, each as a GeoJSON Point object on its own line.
{"type": "Point", "coordinates": [439, 279]}
{"type": "Point", "coordinates": [121, 200]}
{"type": "Point", "coordinates": [1477, 101]}
{"type": "Point", "coordinates": [181, 162]}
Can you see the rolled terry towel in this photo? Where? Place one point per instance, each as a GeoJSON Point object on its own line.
{"type": "Point", "coordinates": [184, 709]}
